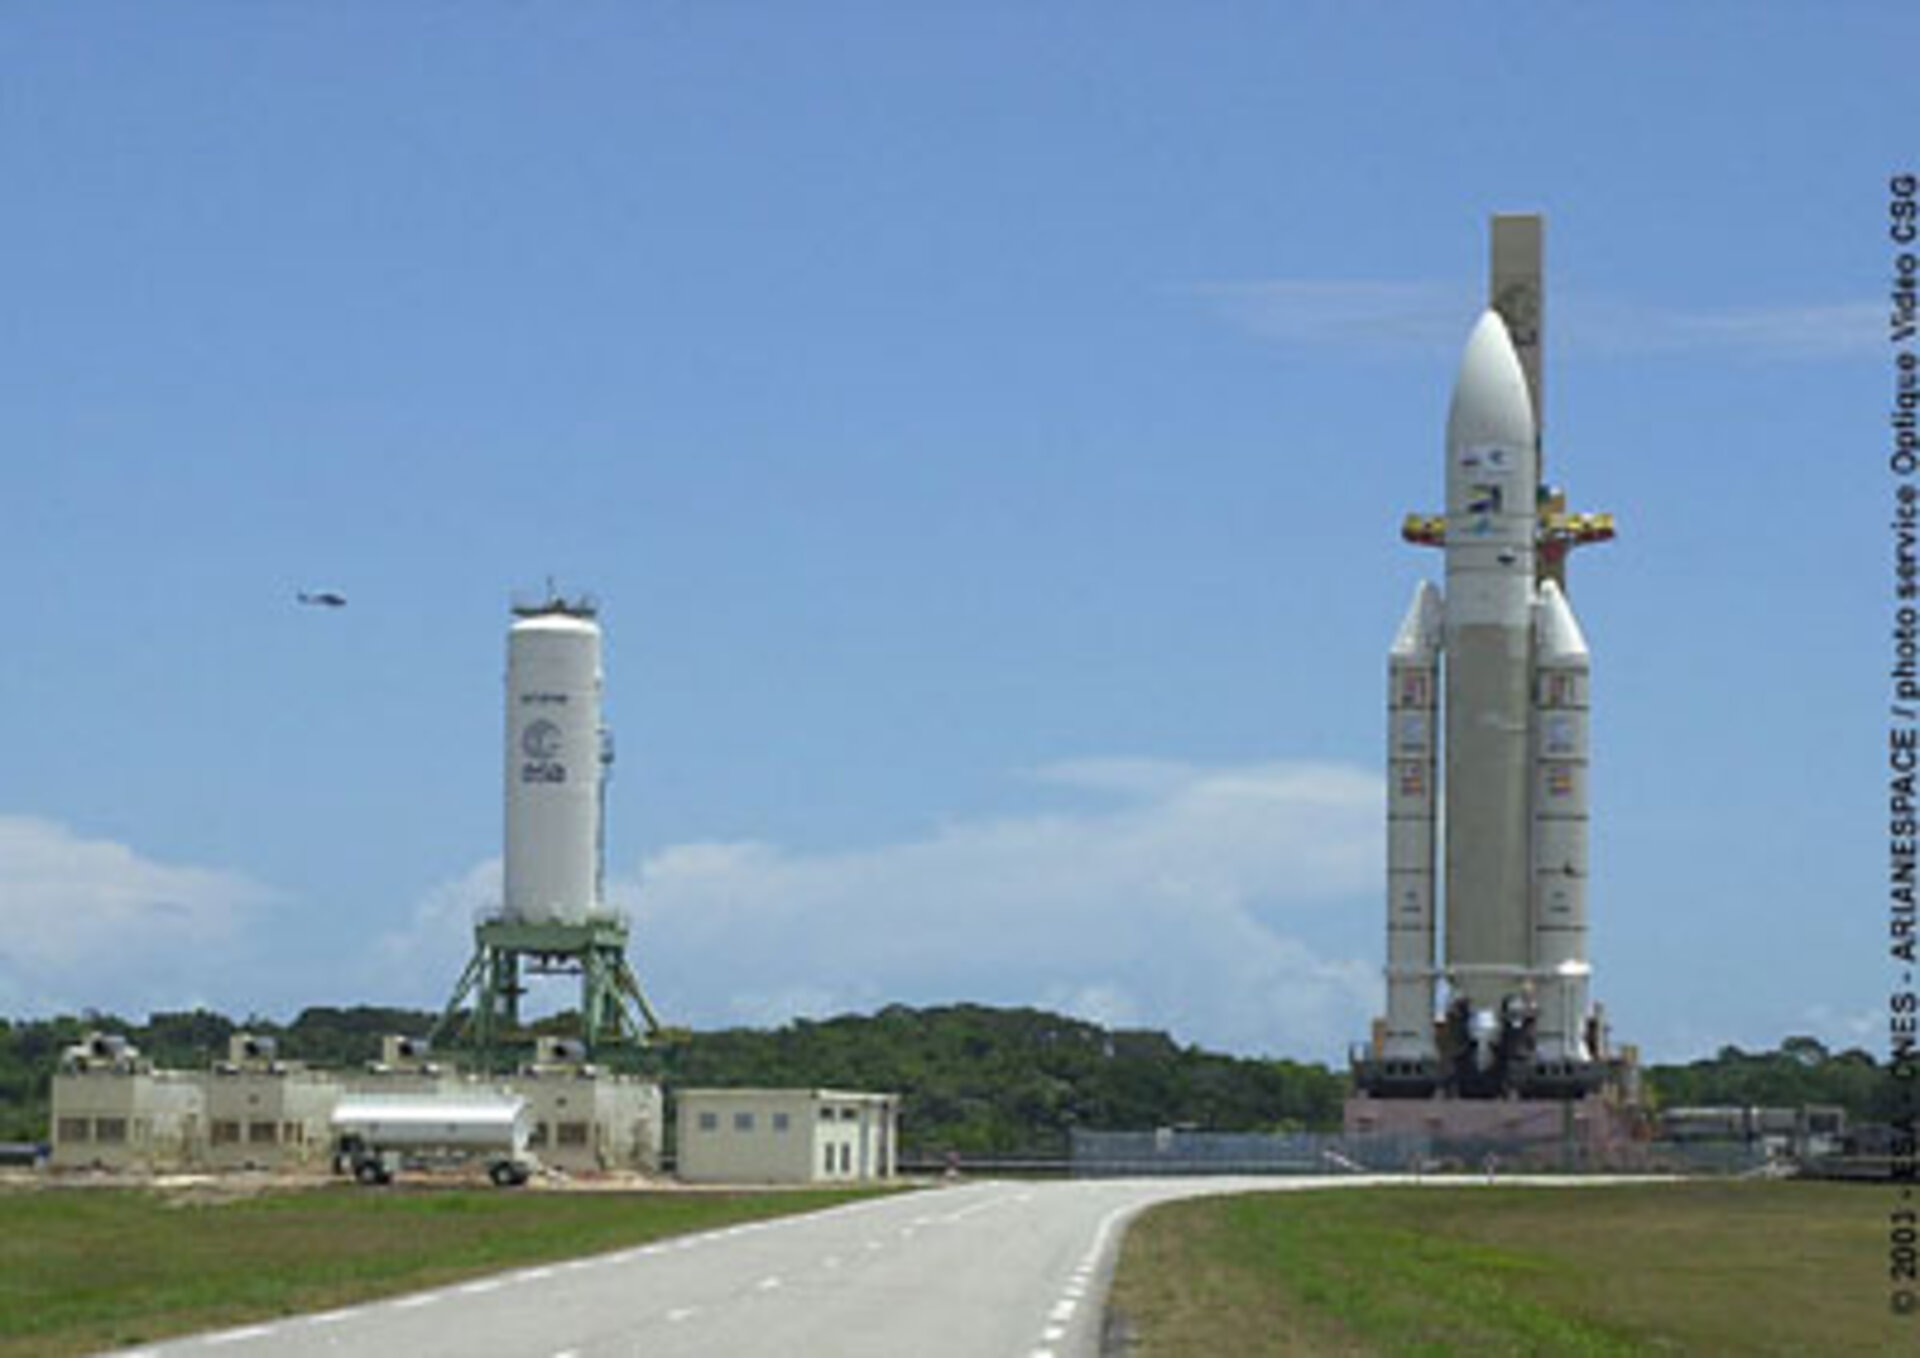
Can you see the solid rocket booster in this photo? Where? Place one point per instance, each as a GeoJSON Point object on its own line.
{"type": "Point", "coordinates": [1492, 517]}
{"type": "Point", "coordinates": [1413, 686]}
{"type": "Point", "coordinates": [1561, 667]}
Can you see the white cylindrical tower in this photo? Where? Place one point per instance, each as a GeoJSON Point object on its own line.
{"type": "Point", "coordinates": [1492, 484]}
{"type": "Point", "coordinates": [553, 765]}
{"type": "Point", "coordinates": [1413, 681]}
{"type": "Point", "coordinates": [1561, 669]}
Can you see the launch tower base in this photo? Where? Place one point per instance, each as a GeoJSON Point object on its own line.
{"type": "Point", "coordinates": [1594, 1131]}
{"type": "Point", "coordinates": [613, 1009]}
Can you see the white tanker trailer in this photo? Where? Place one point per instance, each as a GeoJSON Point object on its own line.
{"type": "Point", "coordinates": [376, 1135]}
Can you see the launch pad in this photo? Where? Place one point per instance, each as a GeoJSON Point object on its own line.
{"type": "Point", "coordinates": [1591, 1130]}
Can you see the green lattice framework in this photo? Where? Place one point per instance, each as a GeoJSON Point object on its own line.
{"type": "Point", "coordinates": [613, 1009]}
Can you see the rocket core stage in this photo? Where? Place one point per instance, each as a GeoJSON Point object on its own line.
{"type": "Point", "coordinates": [1487, 719]}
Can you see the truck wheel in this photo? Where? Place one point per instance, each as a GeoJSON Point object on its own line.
{"type": "Point", "coordinates": [369, 1172]}
{"type": "Point", "coordinates": [507, 1175]}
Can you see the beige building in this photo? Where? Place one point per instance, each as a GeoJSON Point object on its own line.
{"type": "Point", "coordinates": [786, 1135]}
{"type": "Point", "coordinates": [113, 1110]}
{"type": "Point", "coordinates": [263, 1113]}
{"type": "Point", "coordinates": [588, 1121]}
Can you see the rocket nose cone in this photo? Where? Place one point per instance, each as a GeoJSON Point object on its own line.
{"type": "Point", "coordinates": [1557, 639]}
{"type": "Point", "coordinates": [1490, 399]}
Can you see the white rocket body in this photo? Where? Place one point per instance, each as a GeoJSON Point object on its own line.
{"type": "Point", "coordinates": [1503, 663]}
{"type": "Point", "coordinates": [1492, 483]}
{"type": "Point", "coordinates": [553, 769]}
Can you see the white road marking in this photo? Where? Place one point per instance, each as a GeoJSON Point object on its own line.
{"type": "Point", "coordinates": [1053, 1334]}
{"type": "Point", "coordinates": [567, 1353]}
{"type": "Point", "coordinates": [416, 1300]}
{"type": "Point", "coordinates": [768, 1284]}
{"type": "Point", "coordinates": [326, 1318]}
{"type": "Point", "coordinates": [1062, 1310]}
{"type": "Point", "coordinates": [680, 1313]}
{"type": "Point", "coordinates": [240, 1336]}
{"type": "Point", "coordinates": [534, 1275]}
{"type": "Point", "coordinates": [474, 1289]}
{"type": "Point", "coordinates": [979, 1207]}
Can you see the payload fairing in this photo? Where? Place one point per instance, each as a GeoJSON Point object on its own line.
{"type": "Point", "coordinates": [1487, 767]}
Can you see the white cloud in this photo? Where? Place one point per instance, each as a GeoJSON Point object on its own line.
{"type": "Point", "coordinates": [436, 942]}
{"type": "Point", "coordinates": [88, 918]}
{"type": "Point", "coordinates": [1368, 315]}
{"type": "Point", "coordinates": [1390, 318]}
{"type": "Point", "coordinates": [1174, 901]}
{"type": "Point", "coordinates": [1782, 333]}
{"type": "Point", "coordinates": [1843, 1028]}
{"type": "Point", "coordinates": [1167, 909]}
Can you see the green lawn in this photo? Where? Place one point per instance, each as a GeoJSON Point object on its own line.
{"type": "Point", "coordinates": [85, 1269]}
{"type": "Point", "coordinates": [1693, 1268]}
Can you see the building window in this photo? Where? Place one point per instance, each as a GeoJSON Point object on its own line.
{"type": "Point", "coordinates": [829, 1158]}
{"type": "Point", "coordinates": [743, 1122]}
{"type": "Point", "coordinates": [572, 1134]}
{"type": "Point", "coordinates": [780, 1122]}
{"type": "Point", "coordinates": [293, 1133]}
{"type": "Point", "coordinates": [226, 1133]}
{"type": "Point", "coordinates": [262, 1133]}
{"type": "Point", "coordinates": [73, 1129]}
{"type": "Point", "coordinates": [849, 1114]}
{"type": "Point", "coordinates": [846, 1159]}
{"type": "Point", "coordinates": [709, 1122]}
{"type": "Point", "coordinates": [539, 1137]}
{"type": "Point", "coordinates": [110, 1131]}
{"type": "Point", "coordinates": [826, 1114]}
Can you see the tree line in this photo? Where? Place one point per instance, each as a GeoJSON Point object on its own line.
{"type": "Point", "coordinates": [973, 1079]}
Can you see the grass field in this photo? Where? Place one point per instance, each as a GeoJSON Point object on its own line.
{"type": "Point", "coordinates": [1693, 1268]}
{"type": "Point", "coordinates": [87, 1269]}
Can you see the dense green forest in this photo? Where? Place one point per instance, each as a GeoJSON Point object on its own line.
{"type": "Point", "coordinates": [1009, 1080]}
{"type": "Point", "coordinates": [1801, 1071]}
{"type": "Point", "coordinates": [974, 1079]}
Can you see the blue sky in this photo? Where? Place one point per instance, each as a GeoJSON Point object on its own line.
{"type": "Point", "coordinates": [986, 429]}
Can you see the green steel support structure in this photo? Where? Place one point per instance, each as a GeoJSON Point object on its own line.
{"type": "Point", "coordinates": [613, 1009]}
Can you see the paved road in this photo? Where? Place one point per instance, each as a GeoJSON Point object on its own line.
{"type": "Point", "coordinates": [986, 1270]}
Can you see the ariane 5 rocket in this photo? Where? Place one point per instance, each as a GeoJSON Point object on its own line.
{"type": "Point", "coordinates": [1487, 762]}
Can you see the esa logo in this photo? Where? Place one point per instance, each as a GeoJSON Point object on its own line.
{"type": "Point", "coordinates": [540, 743]}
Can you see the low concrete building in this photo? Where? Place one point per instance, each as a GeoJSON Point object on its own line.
{"type": "Point", "coordinates": [786, 1135]}
{"type": "Point", "coordinates": [587, 1119]}
{"type": "Point", "coordinates": [113, 1110]}
{"type": "Point", "coordinates": [263, 1113]}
